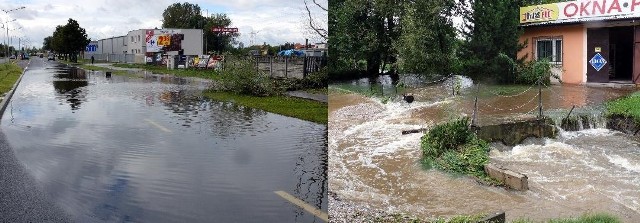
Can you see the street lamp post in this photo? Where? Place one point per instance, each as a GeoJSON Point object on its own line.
{"type": "Point", "coordinates": [11, 38]}
{"type": "Point", "coordinates": [7, 26]}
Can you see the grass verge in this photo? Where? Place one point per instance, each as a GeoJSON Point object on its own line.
{"type": "Point", "coordinates": [628, 106]}
{"type": "Point", "coordinates": [9, 74]}
{"type": "Point", "coordinates": [288, 106]}
{"type": "Point", "coordinates": [452, 147]}
{"type": "Point", "coordinates": [587, 218]}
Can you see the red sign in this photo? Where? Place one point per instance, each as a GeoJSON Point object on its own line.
{"type": "Point", "coordinates": [224, 30]}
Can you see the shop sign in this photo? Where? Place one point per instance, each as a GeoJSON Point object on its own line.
{"type": "Point", "coordinates": [580, 11]}
{"type": "Point", "coordinates": [597, 62]}
{"type": "Point", "coordinates": [539, 13]}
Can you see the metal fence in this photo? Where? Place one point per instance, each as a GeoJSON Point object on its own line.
{"type": "Point", "coordinates": [115, 58]}
{"type": "Point", "coordinates": [289, 67]}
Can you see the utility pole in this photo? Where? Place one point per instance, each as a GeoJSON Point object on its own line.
{"type": "Point", "coordinates": [6, 23]}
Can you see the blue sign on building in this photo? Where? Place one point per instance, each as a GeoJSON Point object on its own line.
{"type": "Point", "coordinates": [91, 48]}
{"type": "Point", "coordinates": [597, 62]}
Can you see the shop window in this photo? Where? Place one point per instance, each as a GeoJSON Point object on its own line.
{"type": "Point", "coordinates": [549, 48]}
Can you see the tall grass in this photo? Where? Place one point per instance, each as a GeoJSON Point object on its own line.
{"type": "Point", "coordinates": [9, 74]}
{"type": "Point", "coordinates": [628, 106]}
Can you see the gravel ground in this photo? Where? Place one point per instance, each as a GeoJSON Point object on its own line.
{"type": "Point", "coordinates": [341, 211]}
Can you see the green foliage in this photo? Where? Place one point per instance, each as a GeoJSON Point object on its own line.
{"type": "Point", "coordinates": [9, 74]}
{"type": "Point", "coordinates": [68, 39]}
{"type": "Point", "coordinates": [628, 106]}
{"type": "Point", "coordinates": [532, 71]}
{"type": "Point", "coordinates": [454, 148]}
{"type": "Point", "coordinates": [426, 44]}
{"type": "Point", "coordinates": [362, 30]}
{"type": "Point", "coordinates": [241, 77]}
{"type": "Point", "coordinates": [586, 218]}
{"type": "Point", "coordinates": [293, 107]}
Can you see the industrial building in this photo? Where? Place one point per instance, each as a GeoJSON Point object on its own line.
{"type": "Point", "coordinates": [143, 45]}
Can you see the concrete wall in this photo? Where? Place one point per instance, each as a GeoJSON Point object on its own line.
{"type": "Point", "coordinates": [136, 41]}
{"type": "Point", "coordinates": [574, 59]}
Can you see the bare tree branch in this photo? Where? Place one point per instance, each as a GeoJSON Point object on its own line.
{"type": "Point", "coordinates": [320, 6]}
{"type": "Point", "coordinates": [320, 31]}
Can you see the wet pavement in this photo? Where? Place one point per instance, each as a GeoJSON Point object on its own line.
{"type": "Point", "coordinates": [152, 149]}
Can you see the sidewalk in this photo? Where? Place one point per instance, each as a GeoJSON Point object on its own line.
{"type": "Point", "coordinates": [316, 97]}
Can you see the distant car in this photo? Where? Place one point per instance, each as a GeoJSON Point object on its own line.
{"type": "Point", "coordinates": [40, 55]}
{"type": "Point", "coordinates": [51, 57]}
{"type": "Point", "coordinates": [25, 56]}
{"type": "Point", "coordinates": [13, 57]}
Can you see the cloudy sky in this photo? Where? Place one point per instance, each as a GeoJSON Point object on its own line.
{"type": "Point", "coordinates": [274, 21]}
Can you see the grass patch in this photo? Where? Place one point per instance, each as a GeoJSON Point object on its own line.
{"type": "Point", "coordinates": [452, 147]}
{"type": "Point", "coordinates": [628, 106]}
{"type": "Point", "coordinates": [9, 74]}
{"type": "Point", "coordinates": [189, 72]}
{"type": "Point", "coordinates": [403, 218]}
{"type": "Point", "coordinates": [288, 106]}
{"type": "Point", "coordinates": [587, 218]}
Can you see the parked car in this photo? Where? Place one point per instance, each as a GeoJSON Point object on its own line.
{"type": "Point", "coordinates": [13, 57]}
{"type": "Point", "coordinates": [51, 57]}
{"type": "Point", "coordinates": [25, 56]}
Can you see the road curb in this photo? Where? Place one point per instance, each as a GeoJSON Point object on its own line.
{"type": "Point", "coordinates": [7, 97]}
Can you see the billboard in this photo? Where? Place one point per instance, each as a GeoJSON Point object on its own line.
{"type": "Point", "coordinates": [163, 40]}
{"type": "Point", "coordinates": [583, 10]}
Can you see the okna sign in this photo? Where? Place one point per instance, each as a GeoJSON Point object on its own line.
{"type": "Point", "coordinates": [580, 11]}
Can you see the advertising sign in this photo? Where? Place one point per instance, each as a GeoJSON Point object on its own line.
{"type": "Point", "coordinates": [224, 30]}
{"type": "Point", "coordinates": [164, 40]}
{"type": "Point", "coordinates": [580, 11]}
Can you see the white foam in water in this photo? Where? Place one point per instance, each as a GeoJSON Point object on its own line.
{"type": "Point", "coordinates": [586, 132]}
{"type": "Point", "coordinates": [624, 163]}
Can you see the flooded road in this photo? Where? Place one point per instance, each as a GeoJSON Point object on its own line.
{"type": "Point", "coordinates": [373, 165]}
{"type": "Point", "coordinates": [153, 149]}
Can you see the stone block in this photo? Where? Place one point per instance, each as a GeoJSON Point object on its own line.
{"type": "Point", "coordinates": [511, 179]}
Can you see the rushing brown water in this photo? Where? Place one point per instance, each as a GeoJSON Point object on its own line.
{"type": "Point", "coordinates": [374, 165]}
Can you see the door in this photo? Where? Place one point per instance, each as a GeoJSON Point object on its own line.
{"type": "Point", "coordinates": [636, 56]}
{"type": "Point", "coordinates": [598, 43]}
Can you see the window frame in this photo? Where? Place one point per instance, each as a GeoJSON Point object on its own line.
{"type": "Point", "coordinates": [557, 48]}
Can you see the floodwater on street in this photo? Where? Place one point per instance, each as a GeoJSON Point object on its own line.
{"type": "Point", "coordinates": [375, 167]}
{"type": "Point", "coordinates": [152, 149]}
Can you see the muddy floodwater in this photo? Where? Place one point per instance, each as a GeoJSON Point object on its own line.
{"type": "Point", "coordinates": [152, 149]}
{"type": "Point", "coordinates": [373, 165]}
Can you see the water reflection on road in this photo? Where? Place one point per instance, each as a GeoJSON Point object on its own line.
{"type": "Point", "coordinates": [153, 149]}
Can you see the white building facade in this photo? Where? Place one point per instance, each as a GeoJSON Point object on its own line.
{"type": "Point", "coordinates": [142, 43]}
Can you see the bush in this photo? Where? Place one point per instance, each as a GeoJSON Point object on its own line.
{"type": "Point", "coordinates": [530, 72]}
{"type": "Point", "coordinates": [242, 78]}
{"type": "Point", "coordinates": [454, 148]}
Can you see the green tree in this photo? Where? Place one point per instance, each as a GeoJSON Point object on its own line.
{"type": "Point", "coordinates": [185, 15]}
{"type": "Point", "coordinates": [47, 43]}
{"type": "Point", "coordinates": [362, 34]}
{"type": "Point", "coordinates": [426, 45]}
{"type": "Point", "coordinates": [69, 39]}
{"type": "Point", "coordinates": [219, 42]}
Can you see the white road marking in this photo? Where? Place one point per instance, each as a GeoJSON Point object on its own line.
{"type": "Point", "coordinates": [318, 213]}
